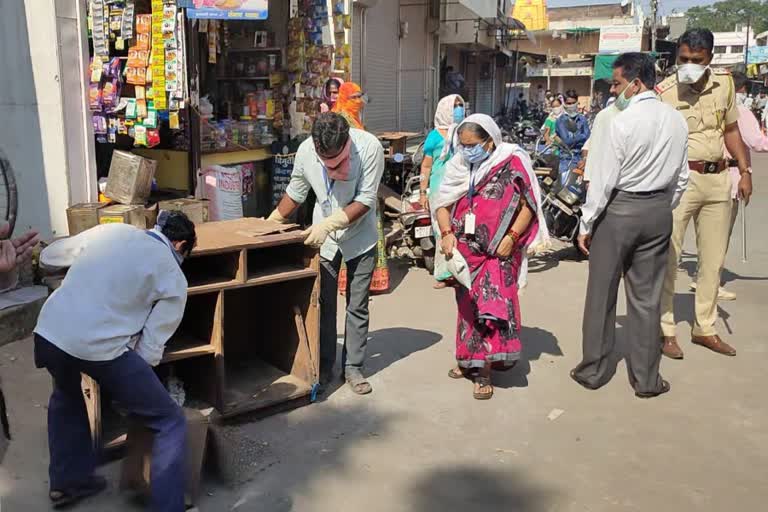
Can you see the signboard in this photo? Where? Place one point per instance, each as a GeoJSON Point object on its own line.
{"type": "Point", "coordinates": [228, 9]}
{"type": "Point", "coordinates": [541, 70]}
{"type": "Point", "coordinates": [620, 39]}
{"type": "Point", "coordinates": [757, 55]}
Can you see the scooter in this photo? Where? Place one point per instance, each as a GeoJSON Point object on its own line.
{"type": "Point", "coordinates": [563, 196]}
{"type": "Point", "coordinates": [418, 241]}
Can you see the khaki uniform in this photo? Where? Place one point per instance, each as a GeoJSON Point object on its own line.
{"type": "Point", "coordinates": [707, 200]}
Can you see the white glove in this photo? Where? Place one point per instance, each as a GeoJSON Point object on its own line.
{"type": "Point", "coordinates": [317, 233]}
{"type": "Point", "coordinates": [276, 217]}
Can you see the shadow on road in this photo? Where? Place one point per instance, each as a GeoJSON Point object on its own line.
{"type": "Point", "coordinates": [536, 342]}
{"type": "Point", "coordinates": [479, 489]}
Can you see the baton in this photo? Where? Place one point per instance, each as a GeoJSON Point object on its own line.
{"type": "Point", "coordinates": [743, 231]}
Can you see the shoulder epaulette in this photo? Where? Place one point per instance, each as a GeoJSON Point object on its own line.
{"type": "Point", "coordinates": [666, 84]}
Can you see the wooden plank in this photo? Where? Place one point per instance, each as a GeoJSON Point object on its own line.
{"type": "Point", "coordinates": [217, 339]}
{"type": "Point", "coordinates": [303, 364]}
{"type": "Point", "coordinates": [230, 235]}
{"type": "Point", "coordinates": [281, 274]}
{"type": "Point", "coordinates": [187, 351]}
{"type": "Point", "coordinates": [235, 157]}
{"type": "Point", "coordinates": [391, 199]}
{"type": "Point", "coordinates": [92, 396]}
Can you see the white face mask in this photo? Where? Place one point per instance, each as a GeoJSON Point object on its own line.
{"type": "Point", "coordinates": [690, 73]}
{"type": "Point", "coordinates": [741, 98]}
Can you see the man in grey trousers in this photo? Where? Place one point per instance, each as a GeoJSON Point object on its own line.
{"type": "Point", "coordinates": [641, 173]}
{"type": "Point", "coordinates": [343, 166]}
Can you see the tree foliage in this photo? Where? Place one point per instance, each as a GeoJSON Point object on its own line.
{"type": "Point", "coordinates": [724, 16]}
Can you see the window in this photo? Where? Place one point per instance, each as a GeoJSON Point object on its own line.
{"type": "Point", "coordinates": [720, 49]}
{"type": "Point", "coordinates": [737, 49]}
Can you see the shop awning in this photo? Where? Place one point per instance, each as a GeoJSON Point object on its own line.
{"type": "Point", "coordinates": [604, 67]}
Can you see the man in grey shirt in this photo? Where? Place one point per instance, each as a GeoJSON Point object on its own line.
{"type": "Point", "coordinates": [343, 166]}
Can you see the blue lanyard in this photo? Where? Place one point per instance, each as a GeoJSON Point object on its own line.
{"type": "Point", "coordinates": [329, 184]}
{"type": "Point", "coordinates": [157, 237]}
{"type": "Point", "coordinates": [471, 192]}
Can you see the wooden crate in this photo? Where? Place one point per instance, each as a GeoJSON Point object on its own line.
{"type": "Point", "coordinates": [249, 338]}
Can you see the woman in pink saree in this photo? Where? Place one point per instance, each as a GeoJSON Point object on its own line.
{"type": "Point", "coordinates": [489, 213]}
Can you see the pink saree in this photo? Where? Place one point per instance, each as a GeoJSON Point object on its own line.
{"type": "Point", "coordinates": [488, 328]}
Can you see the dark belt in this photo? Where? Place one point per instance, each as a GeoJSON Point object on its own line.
{"type": "Point", "coordinates": [733, 163]}
{"type": "Point", "coordinates": [707, 167]}
{"type": "Point", "coordinates": [643, 194]}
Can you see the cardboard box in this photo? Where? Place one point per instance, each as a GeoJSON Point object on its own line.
{"type": "Point", "coordinates": [150, 214]}
{"type": "Point", "coordinates": [126, 214]}
{"type": "Point", "coordinates": [83, 216]}
{"type": "Point", "coordinates": [130, 178]}
{"type": "Point", "coordinates": [196, 209]}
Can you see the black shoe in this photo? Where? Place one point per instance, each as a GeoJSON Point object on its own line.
{"type": "Point", "coordinates": [665, 387]}
{"type": "Point", "coordinates": [61, 498]}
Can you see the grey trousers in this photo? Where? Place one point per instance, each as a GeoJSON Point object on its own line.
{"type": "Point", "coordinates": [359, 274]}
{"type": "Point", "coordinates": [631, 238]}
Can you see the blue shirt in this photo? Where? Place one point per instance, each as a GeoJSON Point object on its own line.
{"type": "Point", "coordinates": [573, 140]}
{"type": "Point", "coordinates": [366, 169]}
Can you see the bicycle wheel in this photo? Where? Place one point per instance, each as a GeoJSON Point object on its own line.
{"type": "Point", "coordinates": [8, 197]}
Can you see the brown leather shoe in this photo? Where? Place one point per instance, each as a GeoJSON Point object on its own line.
{"type": "Point", "coordinates": [715, 344]}
{"type": "Point", "coordinates": [670, 348]}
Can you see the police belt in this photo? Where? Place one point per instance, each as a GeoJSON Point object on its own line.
{"type": "Point", "coordinates": [707, 167]}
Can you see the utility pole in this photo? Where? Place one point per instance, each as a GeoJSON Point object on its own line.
{"type": "Point", "coordinates": [654, 10]}
{"type": "Point", "coordinates": [746, 43]}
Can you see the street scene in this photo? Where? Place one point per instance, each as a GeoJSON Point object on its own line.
{"type": "Point", "coordinates": [340, 254]}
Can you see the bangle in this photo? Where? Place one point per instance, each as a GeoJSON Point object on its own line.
{"type": "Point", "coordinates": [514, 235]}
{"type": "Point", "coordinates": [446, 232]}
{"type": "Point", "coordinates": [422, 192]}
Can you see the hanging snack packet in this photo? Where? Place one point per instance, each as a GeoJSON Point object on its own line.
{"type": "Point", "coordinates": [130, 110]}
{"type": "Point", "coordinates": [143, 23]}
{"type": "Point", "coordinates": [151, 119]}
{"type": "Point", "coordinates": [141, 108]}
{"type": "Point", "coordinates": [99, 124]}
{"type": "Point", "coordinates": [94, 97]}
{"type": "Point", "coordinates": [153, 137]}
{"type": "Point", "coordinates": [111, 93]}
{"type": "Point", "coordinates": [140, 135]}
{"type": "Point", "coordinates": [173, 120]}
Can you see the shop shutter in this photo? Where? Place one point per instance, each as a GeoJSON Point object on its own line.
{"type": "Point", "coordinates": [414, 50]}
{"type": "Point", "coordinates": [379, 66]}
{"type": "Point", "coordinates": [357, 43]}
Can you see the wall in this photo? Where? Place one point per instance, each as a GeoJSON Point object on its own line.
{"type": "Point", "coordinates": [459, 26]}
{"type": "Point", "coordinates": [33, 133]}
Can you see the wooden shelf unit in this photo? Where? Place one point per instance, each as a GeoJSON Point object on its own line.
{"type": "Point", "coordinates": [249, 338]}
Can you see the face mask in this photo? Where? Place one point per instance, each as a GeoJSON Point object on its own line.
{"type": "Point", "coordinates": [622, 102]}
{"type": "Point", "coordinates": [475, 154]}
{"type": "Point", "coordinates": [338, 166]}
{"type": "Point", "coordinates": [557, 111]}
{"type": "Point", "coordinates": [572, 110]}
{"type": "Point", "coordinates": [741, 98]}
{"type": "Point", "coordinates": [690, 73]}
{"type": "Point", "coordinates": [458, 114]}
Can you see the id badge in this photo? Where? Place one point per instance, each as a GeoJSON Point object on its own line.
{"type": "Point", "coordinates": [326, 208]}
{"type": "Point", "coordinates": [469, 224]}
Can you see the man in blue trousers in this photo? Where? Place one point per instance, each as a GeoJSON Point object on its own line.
{"type": "Point", "coordinates": [122, 299]}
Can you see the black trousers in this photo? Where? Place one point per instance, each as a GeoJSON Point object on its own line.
{"type": "Point", "coordinates": [631, 239]}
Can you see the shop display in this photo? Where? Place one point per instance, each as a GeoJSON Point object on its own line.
{"type": "Point", "coordinates": [82, 217]}
{"type": "Point", "coordinates": [123, 214]}
{"type": "Point", "coordinates": [137, 80]}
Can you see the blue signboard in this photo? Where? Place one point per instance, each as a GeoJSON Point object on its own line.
{"type": "Point", "coordinates": [228, 9]}
{"type": "Point", "coordinates": [757, 55]}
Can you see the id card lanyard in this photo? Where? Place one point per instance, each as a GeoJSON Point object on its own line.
{"type": "Point", "coordinates": [469, 218]}
{"type": "Point", "coordinates": [329, 184]}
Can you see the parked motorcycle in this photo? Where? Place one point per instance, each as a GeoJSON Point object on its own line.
{"type": "Point", "coordinates": [418, 242]}
{"type": "Point", "coordinates": [563, 197]}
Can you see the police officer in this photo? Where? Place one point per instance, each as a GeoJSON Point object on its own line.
{"type": "Point", "coordinates": [707, 100]}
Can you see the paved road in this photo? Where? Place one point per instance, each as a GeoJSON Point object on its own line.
{"type": "Point", "coordinates": [421, 443]}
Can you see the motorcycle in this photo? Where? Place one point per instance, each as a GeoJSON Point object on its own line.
{"type": "Point", "coordinates": [563, 197]}
{"type": "Point", "coordinates": [418, 241]}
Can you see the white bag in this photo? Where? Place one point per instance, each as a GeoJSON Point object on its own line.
{"type": "Point", "coordinates": [459, 269]}
{"type": "Point", "coordinates": [223, 187]}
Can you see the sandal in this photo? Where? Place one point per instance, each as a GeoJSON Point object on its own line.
{"type": "Point", "coordinates": [461, 373]}
{"type": "Point", "coordinates": [483, 382]}
{"type": "Point", "coordinates": [75, 494]}
{"type": "Point", "coordinates": [358, 384]}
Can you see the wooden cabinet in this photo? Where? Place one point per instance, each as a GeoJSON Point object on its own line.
{"type": "Point", "coordinates": [249, 338]}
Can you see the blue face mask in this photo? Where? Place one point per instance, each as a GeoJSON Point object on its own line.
{"type": "Point", "coordinates": [458, 114]}
{"type": "Point", "coordinates": [475, 154]}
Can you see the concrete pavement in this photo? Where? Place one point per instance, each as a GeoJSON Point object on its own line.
{"type": "Point", "coordinates": [420, 443]}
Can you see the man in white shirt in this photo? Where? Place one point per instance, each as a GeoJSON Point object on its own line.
{"type": "Point", "coordinates": [344, 167]}
{"type": "Point", "coordinates": [626, 226]}
{"type": "Point", "coordinates": [121, 300]}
